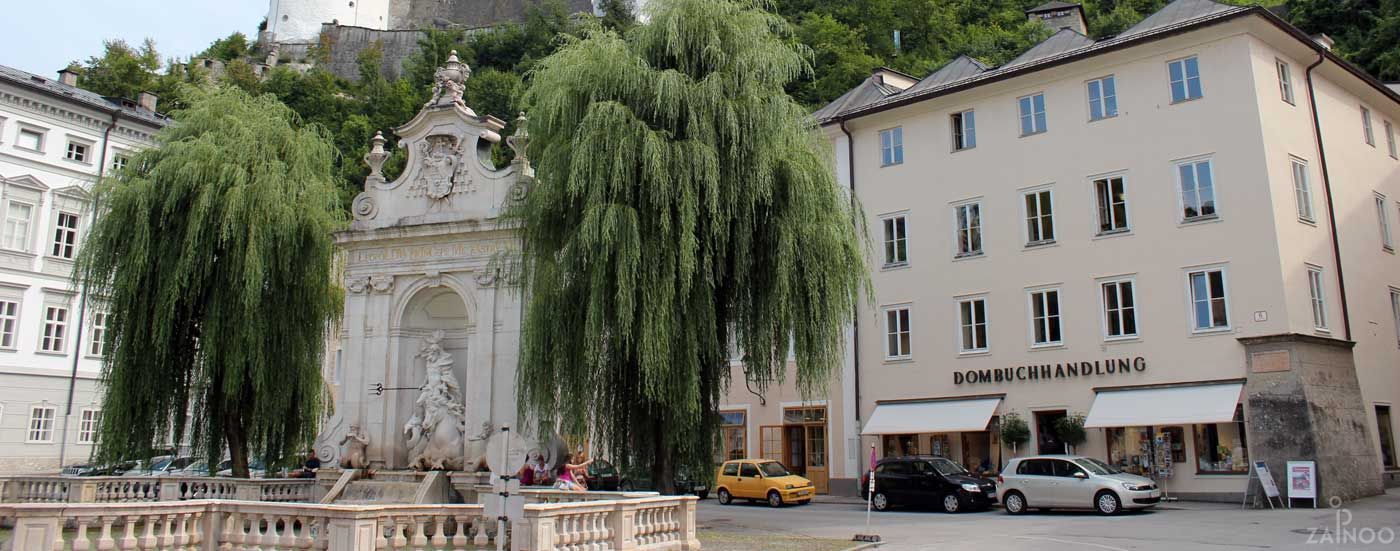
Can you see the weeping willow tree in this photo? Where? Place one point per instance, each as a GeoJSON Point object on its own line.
{"type": "Point", "coordinates": [684, 202]}
{"type": "Point", "coordinates": [213, 255]}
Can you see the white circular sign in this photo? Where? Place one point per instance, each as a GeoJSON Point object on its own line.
{"type": "Point", "coordinates": [509, 447]}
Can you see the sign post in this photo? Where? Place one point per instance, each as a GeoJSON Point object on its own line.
{"type": "Point", "coordinates": [1302, 481]}
{"type": "Point", "coordinates": [869, 497]}
{"type": "Point", "coordinates": [1266, 481]}
{"type": "Point", "coordinates": [508, 504]}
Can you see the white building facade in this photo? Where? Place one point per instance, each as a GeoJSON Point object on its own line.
{"type": "Point", "coordinates": [56, 141]}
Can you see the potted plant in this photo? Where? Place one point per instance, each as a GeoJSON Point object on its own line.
{"type": "Point", "coordinates": [1014, 431]}
{"type": "Point", "coordinates": [1070, 429]}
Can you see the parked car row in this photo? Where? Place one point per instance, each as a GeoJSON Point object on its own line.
{"type": "Point", "coordinates": [164, 465]}
{"type": "Point", "coordinates": [761, 480]}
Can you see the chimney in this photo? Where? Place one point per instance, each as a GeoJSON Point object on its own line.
{"type": "Point", "coordinates": [147, 101]}
{"type": "Point", "coordinates": [1060, 15]}
{"type": "Point", "coordinates": [68, 76]}
{"type": "Point", "coordinates": [1324, 41]}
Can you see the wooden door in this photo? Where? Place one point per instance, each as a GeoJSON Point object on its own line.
{"type": "Point", "coordinates": [817, 470]}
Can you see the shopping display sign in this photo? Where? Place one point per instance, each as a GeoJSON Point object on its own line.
{"type": "Point", "coordinates": [1265, 479]}
{"type": "Point", "coordinates": [1302, 480]}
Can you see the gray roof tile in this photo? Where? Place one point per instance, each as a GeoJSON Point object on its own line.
{"type": "Point", "coordinates": [1175, 13]}
{"type": "Point", "coordinates": [1056, 5]}
{"type": "Point", "coordinates": [79, 95]}
{"type": "Point", "coordinates": [1065, 40]}
{"type": "Point", "coordinates": [955, 70]}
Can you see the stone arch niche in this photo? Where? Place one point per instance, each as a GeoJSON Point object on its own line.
{"type": "Point", "coordinates": [428, 310]}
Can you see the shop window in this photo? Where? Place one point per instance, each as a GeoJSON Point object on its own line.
{"type": "Point", "coordinates": [899, 445]}
{"type": "Point", "coordinates": [1146, 451]}
{"type": "Point", "coordinates": [804, 415]}
{"type": "Point", "coordinates": [1387, 434]}
{"type": "Point", "coordinates": [1221, 447]}
{"type": "Point", "coordinates": [732, 430]}
{"type": "Point", "coordinates": [940, 446]}
{"type": "Point", "coordinates": [978, 452]}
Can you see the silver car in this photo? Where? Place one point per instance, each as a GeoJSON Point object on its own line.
{"type": "Point", "coordinates": [1072, 482]}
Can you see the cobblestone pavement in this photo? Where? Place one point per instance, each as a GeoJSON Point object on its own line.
{"type": "Point", "coordinates": [1372, 523]}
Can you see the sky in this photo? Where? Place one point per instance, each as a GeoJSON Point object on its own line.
{"type": "Point", "coordinates": [43, 36]}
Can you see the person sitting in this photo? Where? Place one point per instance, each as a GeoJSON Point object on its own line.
{"type": "Point", "coordinates": [571, 476]}
{"type": "Point", "coordinates": [309, 468]}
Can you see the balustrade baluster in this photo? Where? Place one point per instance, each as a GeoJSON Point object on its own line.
{"type": "Point", "coordinates": [304, 540]}
{"type": "Point", "coordinates": [420, 535]}
{"type": "Point", "coordinates": [227, 536]}
{"type": "Point", "coordinates": [129, 535]}
{"type": "Point", "coordinates": [386, 527]}
{"type": "Point", "coordinates": [167, 534]}
{"type": "Point", "coordinates": [181, 538]}
{"type": "Point", "coordinates": [104, 540]}
{"type": "Point", "coordinates": [439, 538]}
{"type": "Point", "coordinates": [148, 534]}
{"type": "Point", "coordinates": [268, 537]}
{"type": "Point", "coordinates": [481, 539]}
{"type": "Point", "coordinates": [459, 538]}
{"type": "Point", "coordinates": [400, 537]}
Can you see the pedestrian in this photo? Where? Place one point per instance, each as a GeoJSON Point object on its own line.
{"type": "Point", "coordinates": [312, 464]}
{"type": "Point", "coordinates": [571, 475]}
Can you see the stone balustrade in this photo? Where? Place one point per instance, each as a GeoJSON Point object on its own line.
{"type": "Point", "coordinates": [141, 489]}
{"type": "Point", "coordinates": [550, 495]}
{"type": "Point", "coordinates": [658, 523]}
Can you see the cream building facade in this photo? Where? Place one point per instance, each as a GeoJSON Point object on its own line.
{"type": "Point", "coordinates": [1184, 233]}
{"type": "Point", "coordinates": [56, 141]}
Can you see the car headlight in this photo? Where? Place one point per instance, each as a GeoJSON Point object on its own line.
{"type": "Point", "coordinates": [790, 486]}
{"type": "Point", "coordinates": [1135, 487]}
{"type": "Point", "coordinates": [971, 488]}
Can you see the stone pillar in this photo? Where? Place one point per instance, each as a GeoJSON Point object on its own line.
{"type": "Point", "coordinates": [169, 490]}
{"type": "Point", "coordinates": [82, 492]}
{"type": "Point", "coordinates": [36, 532]}
{"type": "Point", "coordinates": [622, 520]}
{"type": "Point", "coordinates": [1303, 403]}
{"type": "Point", "coordinates": [689, 542]}
{"type": "Point", "coordinates": [353, 534]}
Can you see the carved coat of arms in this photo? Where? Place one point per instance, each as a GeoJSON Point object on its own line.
{"type": "Point", "coordinates": [442, 169]}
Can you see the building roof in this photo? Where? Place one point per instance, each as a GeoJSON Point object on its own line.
{"type": "Point", "coordinates": [1052, 6]}
{"type": "Point", "coordinates": [126, 107]}
{"type": "Point", "coordinates": [1393, 86]}
{"type": "Point", "coordinates": [870, 90]}
{"type": "Point", "coordinates": [1068, 46]}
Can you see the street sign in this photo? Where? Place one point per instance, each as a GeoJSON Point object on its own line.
{"type": "Point", "coordinates": [1265, 479]}
{"type": "Point", "coordinates": [1302, 481]}
{"type": "Point", "coordinates": [506, 453]}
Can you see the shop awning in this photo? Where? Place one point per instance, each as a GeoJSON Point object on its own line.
{"type": "Point", "coordinates": [1175, 405]}
{"type": "Point", "coordinates": [932, 416]}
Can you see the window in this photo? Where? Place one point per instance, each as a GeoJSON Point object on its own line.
{"type": "Point", "coordinates": [1197, 190]}
{"type": "Point", "coordinates": [119, 161]}
{"type": "Point", "coordinates": [748, 470]}
{"type": "Point", "coordinates": [964, 130]}
{"type": "Point", "coordinates": [1317, 295]}
{"type": "Point", "coordinates": [1285, 80]}
{"type": "Point", "coordinates": [1395, 311]}
{"type": "Point", "coordinates": [732, 429]}
{"type": "Point", "coordinates": [9, 323]}
{"type": "Point", "coordinates": [896, 245]}
{"type": "Point", "coordinates": [731, 469]}
{"type": "Point", "coordinates": [65, 235]}
{"type": "Point", "coordinates": [41, 424]}
{"type": "Point", "coordinates": [1390, 139]}
{"type": "Point", "coordinates": [77, 152]}
{"type": "Point", "coordinates": [99, 334]}
{"type": "Point", "coordinates": [1221, 447]}
{"type": "Point", "coordinates": [17, 219]}
{"type": "Point", "coordinates": [897, 333]}
{"type": "Point", "coordinates": [55, 324]}
{"type": "Point", "coordinates": [1045, 317]}
{"type": "Point", "coordinates": [1208, 305]}
{"type": "Point", "coordinates": [1119, 309]}
{"type": "Point", "coordinates": [30, 139]}
{"type": "Point", "coordinates": [771, 440]}
{"type": "Point", "coordinates": [1383, 216]}
{"type": "Point", "coordinates": [972, 321]}
{"type": "Point", "coordinates": [1112, 205]}
{"type": "Point", "coordinates": [87, 426]}
{"type": "Point", "coordinates": [1040, 218]}
{"type": "Point", "coordinates": [968, 218]}
{"type": "Point", "coordinates": [892, 146]}
{"type": "Point", "coordinates": [1302, 191]}
{"type": "Point", "coordinates": [1032, 114]}
{"type": "Point", "coordinates": [1186, 79]}
{"type": "Point", "coordinates": [1387, 434]}
{"type": "Point", "coordinates": [1103, 99]}
{"type": "Point", "coordinates": [1366, 127]}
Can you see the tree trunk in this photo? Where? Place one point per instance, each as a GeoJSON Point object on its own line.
{"type": "Point", "coordinates": [237, 438]}
{"type": "Point", "coordinates": [663, 466]}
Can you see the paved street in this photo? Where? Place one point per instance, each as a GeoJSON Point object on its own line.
{"type": "Point", "coordinates": [1173, 526]}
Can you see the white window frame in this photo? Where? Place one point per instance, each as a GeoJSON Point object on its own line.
{"type": "Point", "coordinates": [9, 322]}
{"type": "Point", "coordinates": [897, 221]}
{"type": "Point", "coordinates": [892, 146]}
{"type": "Point", "coordinates": [1302, 190]}
{"type": "Point", "coordinates": [1317, 298]}
{"type": "Point", "coordinates": [97, 335]}
{"type": "Point", "coordinates": [906, 330]}
{"type": "Point", "coordinates": [1058, 319]}
{"type": "Point", "coordinates": [963, 323]}
{"type": "Point", "coordinates": [89, 421]}
{"type": "Point", "coordinates": [1104, 97]}
{"type": "Point", "coordinates": [43, 134]}
{"type": "Point", "coordinates": [1383, 218]}
{"type": "Point", "coordinates": [1038, 220]}
{"type": "Point", "coordinates": [1099, 207]}
{"type": "Point", "coordinates": [964, 129]}
{"type": "Point", "coordinates": [53, 339]}
{"type": "Point", "coordinates": [1194, 162]}
{"type": "Point", "coordinates": [1285, 80]}
{"type": "Point", "coordinates": [65, 239]}
{"type": "Point", "coordinates": [41, 426]}
{"type": "Point", "coordinates": [958, 229]}
{"type": "Point", "coordinates": [24, 239]}
{"type": "Point", "coordinates": [1395, 312]}
{"type": "Point", "coordinates": [1368, 132]}
{"type": "Point", "coordinates": [1191, 299]}
{"type": "Point", "coordinates": [1039, 126]}
{"type": "Point", "coordinates": [1185, 80]}
{"type": "Point", "coordinates": [1390, 140]}
{"type": "Point", "coordinates": [76, 148]}
{"type": "Point", "coordinates": [1117, 283]}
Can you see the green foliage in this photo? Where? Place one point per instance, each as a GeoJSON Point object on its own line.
{"type": "Point", "coordinates": [1367, 32]}
{"type": "Point", "coordinates": [122, 71]}
{"type": "Point", "coordinates": [618, 15]}
{"type": "Point", "coordinates": [229, 48]}
{"type": "Point", "coordinates": [683, 202]}
{"type": "Point", "coordinates": [1070, 429]}
{"type": "Point", "coordinates": [1014, 430]}
{"type": "Point", "coordinates": [240, 74]}
{"type": "Point", "coordinates": [841, 57]}
{"type": "Point", "coordinates": [213, 256]}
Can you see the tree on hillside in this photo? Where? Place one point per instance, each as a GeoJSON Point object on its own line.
{"type": "Point", "coordinates": [122, 70]}
{"type": "Point", "coordinates": [213, 258]}
{"type": "Point", "coordinates": [1367, 32]}
{"type": "Point", "coordinates": [683, 202]}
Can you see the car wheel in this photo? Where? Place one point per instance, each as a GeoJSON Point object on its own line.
{"type": "Point", "coordinates": [1014, 502]}
{"type": "Point", "coordinates": [881, 502]}
{"type": "Point", "coordinates": [702, 494]}
{"type": "Point", "coordinates": [1107, 503]}
{"type": "Point", "coordinates": [724, 497]}
{"type": "Point", "coordinates": [775, 499]}
{"type": "Point", "coordinates": [951, 504]}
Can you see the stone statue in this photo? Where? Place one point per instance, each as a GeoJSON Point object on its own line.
{"type": "Point", "coordinates": [449, 82]}
{"type": "Point", "coordinates": [354, 449]}
{"type": "Point", "coordinates": [436, 433]}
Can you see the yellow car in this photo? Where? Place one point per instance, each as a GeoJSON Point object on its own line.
{"type": "Point", "coordinates": [765, 479]}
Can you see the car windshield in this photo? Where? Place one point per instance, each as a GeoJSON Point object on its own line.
{"type": "Point", "coordinates": [773, 468]}
{"type": "Point", "coordinates": [947, 467]}
{"type": "Point", "coordinates": [161, 465]}
{"type": "Point", "coordinates": [1097, 467]}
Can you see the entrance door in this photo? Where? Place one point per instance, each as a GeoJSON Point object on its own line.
{"type": "Point", "coordinates": [816, 457]}
{"type": "Point", "coordinates": [805, 446]}
{"type": "Point", "coordinates": [1047, 441]}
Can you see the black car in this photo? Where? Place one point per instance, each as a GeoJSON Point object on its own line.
{"type": "Point", "coordinates": [603, 477]}
{"type": "Point", "coordinates": [927, 480]}
{"type": "Point", "coordinates": [685, 484]}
